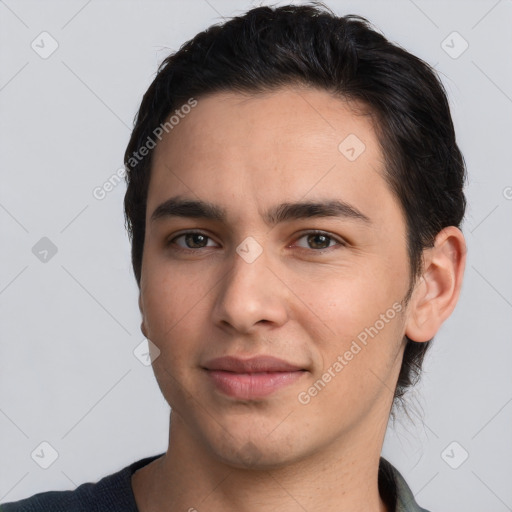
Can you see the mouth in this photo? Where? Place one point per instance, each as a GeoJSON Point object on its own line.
{"type": "Point", "coordinates": [253, 378]}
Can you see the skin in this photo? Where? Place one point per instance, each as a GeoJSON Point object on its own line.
{"type": "Point", "coordinates": [246, 154]}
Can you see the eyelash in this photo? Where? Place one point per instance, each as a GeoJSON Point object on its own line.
{"type": "Point", "coordinates": [340, 242]}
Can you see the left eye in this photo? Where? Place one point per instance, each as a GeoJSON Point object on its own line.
{"type": "Point", "coordinates": [318, 241]}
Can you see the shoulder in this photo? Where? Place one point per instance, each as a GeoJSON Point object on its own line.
{"type": "Point", "coordinates": [112, 493]}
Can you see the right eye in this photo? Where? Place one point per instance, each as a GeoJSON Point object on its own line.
{"type": "Point", "coordinates": [190, 241]}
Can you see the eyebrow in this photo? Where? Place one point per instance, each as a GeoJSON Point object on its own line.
{"type": "Point", "coordinates": [178, 207]}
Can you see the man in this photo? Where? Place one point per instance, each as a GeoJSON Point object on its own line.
{"type": "Point", "coordinates": [294, 201]}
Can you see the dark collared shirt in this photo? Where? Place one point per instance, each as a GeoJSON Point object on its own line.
{"type": "Point", "coordinates": [113, 493]}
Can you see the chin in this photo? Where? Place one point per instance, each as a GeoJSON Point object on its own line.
{"type": "Point", "coordinates": [257, 452]}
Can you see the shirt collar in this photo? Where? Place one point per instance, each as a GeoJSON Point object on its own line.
{"type": "Point", "coordinates": [394, 489]}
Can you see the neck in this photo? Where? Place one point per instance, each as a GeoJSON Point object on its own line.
{"type": "Point", "coordinates": [189, 477]}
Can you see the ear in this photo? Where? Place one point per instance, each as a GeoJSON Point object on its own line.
{"type": "Point", "coordinates": [143, 324]}
{"type": "Point", "coordinates": [437, 290]}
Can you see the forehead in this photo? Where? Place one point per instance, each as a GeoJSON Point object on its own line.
{"type": "Point", "coordinates": [268, 147]}
{"type": "Point", "coordinates": [298, 119]}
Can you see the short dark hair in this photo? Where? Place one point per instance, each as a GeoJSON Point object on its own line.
{"type": "Point", "coordinates": [268, 48]}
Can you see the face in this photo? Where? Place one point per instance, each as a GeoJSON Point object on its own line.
{"type": "Point", "coordinates": [294, 248]}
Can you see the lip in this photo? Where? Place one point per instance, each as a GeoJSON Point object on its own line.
{"type": "Point", "coordinates": [252, 378]}
{"type": "Point", "coordinates": [255, 364]}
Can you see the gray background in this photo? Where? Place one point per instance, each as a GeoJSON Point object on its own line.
{"type": "Point", "coordinates": [70, 322]}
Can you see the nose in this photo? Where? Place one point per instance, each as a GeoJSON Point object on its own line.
{"type": "Point", "coordinates": [251, 295]}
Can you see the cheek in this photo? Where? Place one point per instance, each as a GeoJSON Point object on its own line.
{"type": "Point", "coordinates": [345, 299]}
{"type": "Point", "coordinates": [346, 312]}
{"type": "Point", "coordinates": [171, 299]}
{"type": "Point", "coordinates": [358, 364]}
{"type": "Point", "coordinates": [175, 308]}
{"type": "Point", "coordinates": [171, 313]}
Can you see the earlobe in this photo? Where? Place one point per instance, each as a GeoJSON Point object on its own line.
{"type": "Point", "coordinates": [438, 289]}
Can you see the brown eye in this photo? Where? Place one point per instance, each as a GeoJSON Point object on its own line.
{"type": "Point", "coordinates": [195, 240]}
{"type": "Point", "coordinates": [318, 241]}
{"type": "Point", "coordinates": [191, 240]}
